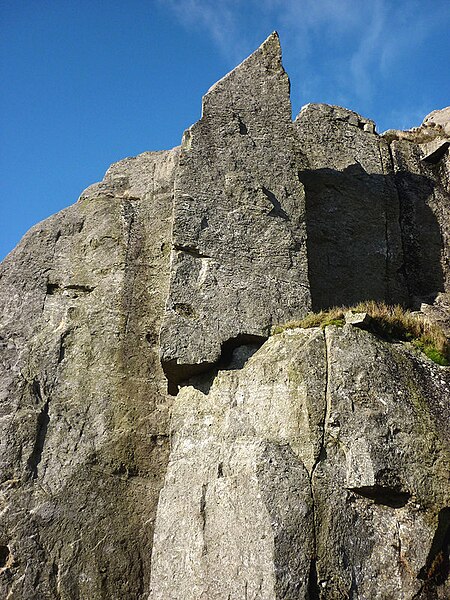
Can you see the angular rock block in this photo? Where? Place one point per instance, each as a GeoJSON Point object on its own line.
{"type": "Point", "coordinates": [239, 238]}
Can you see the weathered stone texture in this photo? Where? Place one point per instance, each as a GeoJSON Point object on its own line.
{"type": "Point", "coordinates": [382, 486]}
{"type": "Point", "coordinates": [424, 190]}
{"type": "Point", "coordinates": [239, 258]}
{"type": "Point", "coordinates": [352, 209]}
{"type": "Point", "coordinates": [337, 426]}
{"type": "Point", "coordinates": [439, 119]}
{"type": "Point", "coordinates": [83, 396]}
{"type": "Point", "coordinates": [312, 465]}
{"type": "Point", "coordinates": [235, 516]}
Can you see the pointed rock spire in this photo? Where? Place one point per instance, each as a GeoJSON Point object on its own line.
{"type": "Point", "coordinates": [239, 248]}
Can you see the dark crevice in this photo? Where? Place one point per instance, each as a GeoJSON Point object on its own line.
{"type": "Point", "coordinates": [53, 580]}
{"type": "Point", "coordinates": [203, 505]}
{"type": "Point", "coordinates": [191, 250]}
{"type": "Point", "coordinates": [434, 157]}
{"type": "Point", "coordinates": [76, 289]}
{"type": "Point", "coordinates": [322, 450]}
{"type": "Point", "coordinates": [383, 495]}
{"type": "Point", "coordinates": [243, 130]}
{"type": "Point", "coordinates": [203, 516]}
{"type": "Point", "coordinates": [36, 390]}
{"type": "Point", "coordinates": [4, 555]}
{"type": "Point", "coordinates": [277, 210]}
{"type": "Point", "coordinates": [84, 289]}
{"type": "Point", "coordinates": [41, 433]}
{"type": "Point", "coordinates": [387, 274]}
{"type": "Point", "coordinates": [201, 375]}
{"type": "Point", "coordinates": [231, 359]}
{"type": "Point", "coordinates": [436, 569]}
{"type": "Point", "coordinates": [313, 584]}
{"type": "Point", "coordinates": [52, 288]}
{"type": "Point", "coordinates": [62, 351]}
{"type": "Point", "coordinates": [62, 347]}
{"type": "Point", "coordinates": [401, 271]}
{"type": "Point", "coordinates": [151, 338]}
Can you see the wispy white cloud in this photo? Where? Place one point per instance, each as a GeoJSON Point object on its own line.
{"type": "Point", "coordinates": [218, 18]}
{"type": "Point", "coordinates": [366, 55]}
{"type": "Point", "coordinates": [341, 48]}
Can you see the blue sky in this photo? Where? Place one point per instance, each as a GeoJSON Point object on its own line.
{"type": "Point", "coordinates": [88, 82]}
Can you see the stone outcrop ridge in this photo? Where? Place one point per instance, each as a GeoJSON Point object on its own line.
{"type": "Point", "coordinates": [313, 464]}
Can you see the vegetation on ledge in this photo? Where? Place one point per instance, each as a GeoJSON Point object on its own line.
{"type": "Point", "coordinates": [389, 322]}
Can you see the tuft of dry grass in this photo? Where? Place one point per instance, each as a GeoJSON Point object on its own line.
{"type": "Point", "coordinates": [389, 322]}
{"type": "Point", "coordinates": [333, 316]}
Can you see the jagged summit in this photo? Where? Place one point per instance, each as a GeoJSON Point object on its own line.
{"type": "Point", "coordinates": [308, 464]}
{"type": "Point", "coordinates": [237, 197]}
{"type": "Point", "coordinates": [267, 56]}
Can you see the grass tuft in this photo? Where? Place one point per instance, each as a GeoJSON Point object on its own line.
{"type": "Point", "coordinates": [389, 322]}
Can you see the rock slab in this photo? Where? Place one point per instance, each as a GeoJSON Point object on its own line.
{"type": "Point", "coordinates": [318, 470]}
{"type": "Point", "coordinates": [239, 237]}
{"type": "Point", "coordinates": [83, 399]}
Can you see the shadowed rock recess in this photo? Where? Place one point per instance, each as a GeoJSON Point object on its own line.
{"type": "Point", "coordinates": [156, 443]}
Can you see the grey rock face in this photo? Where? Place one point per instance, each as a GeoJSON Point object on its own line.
{"type": "Point", "coordinates": [312, 465]}
{"type": "Point", "coordinates": [235, 516]}
{"type": "Point", "coordinates": [352, 210]}
{"type": "Point", "coordinates": [424, 191]}
{"type": "Point", "coordinates": [421, 163]}
{"type": "Point", "coordinates": [377, 210]}
{"type": "Point", "coordinates": [439, 119]}
{"type": "Point", "coordinates": [338, 427]}
{"type": "Point", "coordinates": [239, 258]}
{"type": "Point", "coordinates": [82, 394]}
{"type": "Point", "coordinates": [381, 489]}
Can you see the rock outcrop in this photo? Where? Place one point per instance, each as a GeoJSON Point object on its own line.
{"type": "Point", "coordinates": [239, 240]}
{"type": "Point", "coordinates": [84, 414]}
{"type": "Point", "coordinates": [156, 442]}
{"type": "Point", "coordinates": [351, 196]}
{"type": "Point", "coordinates": [317, 470]}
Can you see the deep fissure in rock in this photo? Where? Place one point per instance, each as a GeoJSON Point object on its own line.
{"type": "Point", "coordinates": [313, 583]}
{"type": "Point", "coordinates": [383, 495]}
{"type": "Point", "coordinates": [439, 153]}
{"type": "Point", "coordinates": [4, 555]}
{"type": "Point", "coordinates": [436, 569]}
{"type": "Point", "coordinates": [41, 432]}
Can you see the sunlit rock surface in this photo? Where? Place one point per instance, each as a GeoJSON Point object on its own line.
{"type": "Point", "coordinates": [155, 442]}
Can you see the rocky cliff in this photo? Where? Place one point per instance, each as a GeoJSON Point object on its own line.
{"type": "Point", "coordinates": [156, 441]}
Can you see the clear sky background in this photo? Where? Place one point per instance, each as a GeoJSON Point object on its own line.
{"type": "Point", "coordinates": [88, 82]}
